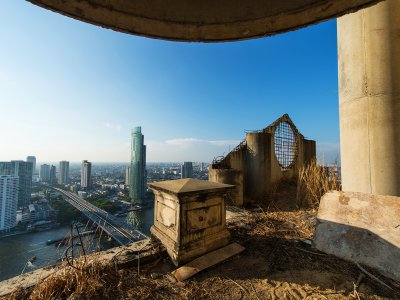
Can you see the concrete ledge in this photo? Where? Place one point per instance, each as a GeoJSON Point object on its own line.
{"type": "Point", "coordinates": [362, 228]}
{"type": "Point", "coordinates": [144, 247]}
{"type": "Point", "coordinates": [26, 280]}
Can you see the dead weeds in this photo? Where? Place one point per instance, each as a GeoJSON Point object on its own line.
{"type": "Point", "coordinates": [279, 263]}
{"type": "Point", "coordinates": [314, 181]}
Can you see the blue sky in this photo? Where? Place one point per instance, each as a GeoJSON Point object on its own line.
{"type": "Point", "coordinates": [73, 91]}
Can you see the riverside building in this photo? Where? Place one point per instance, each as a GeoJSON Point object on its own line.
{"type": "Point", "coordinates": [9, 185]}
{"type": "Point", "coordinates": [23, 170]}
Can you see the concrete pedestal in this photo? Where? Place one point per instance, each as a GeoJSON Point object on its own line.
{"type": "Point", "coordinates": [369, 93]}
{"type": "Point", "coordinates": [189, 217]}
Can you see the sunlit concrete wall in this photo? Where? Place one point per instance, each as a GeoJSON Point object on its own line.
{"type": "Point", "coordinates": [253, 166]}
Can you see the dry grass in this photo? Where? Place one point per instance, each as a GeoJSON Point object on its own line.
{"type": "Point", "coordinates": [96, 279]}
{"type": "Point", "coordinates": [91, 280]}
{"type": "Point", "coordinates": [292, 225]}
{"type": "Point", "coordinates": [314, 181]}
{"type": "Point", "coordinates": [278, 264]}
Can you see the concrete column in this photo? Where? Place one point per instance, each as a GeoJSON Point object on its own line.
{"type": "Point", "coordinates": [369, 99]}
{"type": "Point", "coordinates": [257, 173]}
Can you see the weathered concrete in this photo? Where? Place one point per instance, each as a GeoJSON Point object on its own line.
{"type": "Point", "coordinates": [230, 176]}
{"type": "Point", "coordinates": [362, 228]}
{"type": "Point", "coordinates": [258, 165]}
{"type": "Point", "coordinates": [189, 217]}
{"type": "Point", "coordinates": [310, 150]}
{"type": "Point", "coordinates": [146, 248]}
{"type": "Point", "coordinates": [369, 93]}
{"type": "Point", "coordinates": [253, 166]}
{"type": "Point", "coordinates": [206, 261]}
{"type": "Point", "coordinates": [205, 20]}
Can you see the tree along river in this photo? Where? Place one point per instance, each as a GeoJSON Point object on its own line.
{"type": "Point", "coordinates": [17, 250]}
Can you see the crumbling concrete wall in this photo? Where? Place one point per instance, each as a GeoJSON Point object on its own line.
{"type": "Point", "coordinates": [362, 228]}
{"type": "Point", "coordinates": [230, 176]}
{"type": "Point", "coordinates": [309, 152]}
{"type": "Point", "coordinates": [253, 166]}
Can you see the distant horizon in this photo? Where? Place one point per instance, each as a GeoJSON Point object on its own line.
{"type": "Point", "coordinates": [319, 159]}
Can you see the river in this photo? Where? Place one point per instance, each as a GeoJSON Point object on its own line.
{"type": "Point", "coordinates": [15, 251]}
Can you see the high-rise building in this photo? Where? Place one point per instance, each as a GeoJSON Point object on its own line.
{"type": "Point", "coordinates": [23, 170]}
{"type": "Point", "coordinates": [9, 186]}
{"type": "Point", "coordinates": [32, 159]}
{"type": "Point", "coordinates": [9, 189]}
{"type": "Point", "coordinates": [52, 178]}
{"type": "Point", "coordinates": [187, 170]}
{"type": "Point", "coordinates": [86, 174]}
{"type": "Point", "coordinates": [127, 175]}
{"type": "Point", "coordinates": [63, 172]}
{"type": "Point", "coordinates": [44, 173]}
{"type": "Point", "coordinates": [137, 183]}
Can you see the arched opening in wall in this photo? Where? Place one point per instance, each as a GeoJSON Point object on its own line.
{"type": "Point", "coordinates": [285, 144]}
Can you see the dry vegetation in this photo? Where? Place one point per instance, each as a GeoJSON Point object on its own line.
{"type": "Point", "coordinates": [279, 262]}
{"type": "Point", "coordinates": [314, 181]}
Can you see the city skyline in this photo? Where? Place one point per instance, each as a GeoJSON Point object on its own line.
{"type": "Point", "coordinates": [195, 100]}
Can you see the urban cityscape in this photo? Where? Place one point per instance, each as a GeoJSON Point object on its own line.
{"type": "Point", "coordinates": [183, 150]}
{"type": "Point", "coordinates": [30, 203]}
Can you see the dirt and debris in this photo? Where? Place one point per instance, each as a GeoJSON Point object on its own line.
{"type": "Point", "coordinates": [279, 263]}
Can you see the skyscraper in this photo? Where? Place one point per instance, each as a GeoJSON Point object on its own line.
{"type": "Point", "coordinates": [127, 175]}
{"type": "Point", "coordinates": [63, 175]}
{"type": "Point", "coordinates": [53, 178]}
{"type": "Point", "coordinates": [32, 159]}
{"type": "Point", "coordinates": [137, 183]}
{"type": "Point", "coordinates": [86, 174]}
{"type": "Point", "coordinates": [23, 170]}
{"type": "Point", "coordinates": [187, 170]}
{"type": "Point", "coordinates": [9, 186]}
{"type": "Point", "coordinates": [201, 167]}
{"type": "Point", "coordinates": [44, 173]}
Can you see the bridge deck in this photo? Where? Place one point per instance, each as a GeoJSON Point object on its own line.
{"type": "Point", "coordinates": [120, 231]}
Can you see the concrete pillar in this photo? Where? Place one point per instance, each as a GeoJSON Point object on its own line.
{"type": "Point", "coordinates": [257, 172]}
{"type": "Point", "coordinates": [369, 99]}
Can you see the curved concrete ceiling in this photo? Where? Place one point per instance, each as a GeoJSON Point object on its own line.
{"type": "Point", "coordinates": [203, 20]}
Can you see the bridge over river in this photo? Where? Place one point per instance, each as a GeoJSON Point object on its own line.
{"type": "Point", "coordinates": [122, 232]}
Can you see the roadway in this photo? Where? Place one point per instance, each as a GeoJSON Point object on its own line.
{"type": "Point", "coordinates": [118, 229]}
